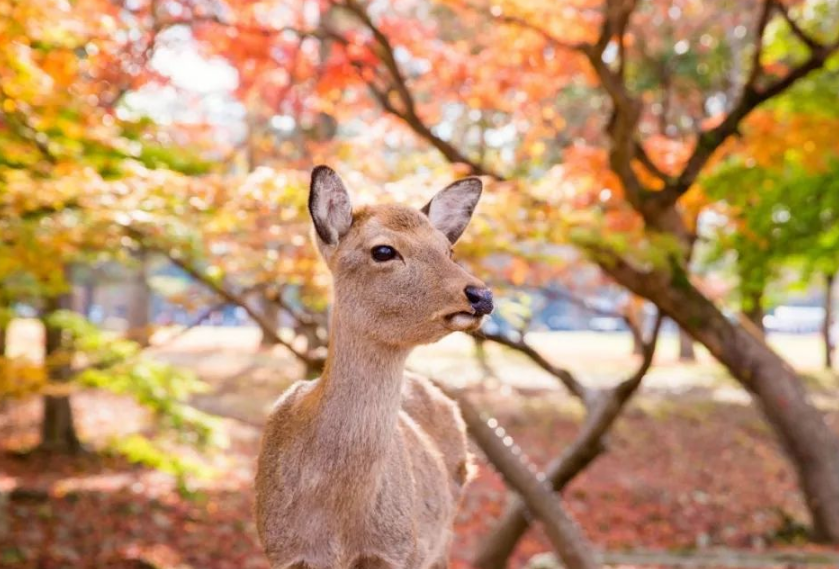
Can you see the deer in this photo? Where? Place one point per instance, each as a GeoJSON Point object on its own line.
{"type": "Point", "coordinates": [365, 466]}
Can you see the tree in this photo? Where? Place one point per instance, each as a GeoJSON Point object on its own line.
{"type": "Point", "coordinates": [650, 176]}
{"type": "Point", "coordinates": [674, 102]}
{"type": "Point", "coordinates": [58, 429]}
{"type": "Point", "coordinates": [783, 203]}
{"type": "Point", "coordinates": [64, 157]}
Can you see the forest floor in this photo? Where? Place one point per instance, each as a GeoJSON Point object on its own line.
{"type": "Point", "coordinates": [691, 465]}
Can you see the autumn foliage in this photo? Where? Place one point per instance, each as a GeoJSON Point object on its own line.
{"type": "Point", "coordinates": [680, 155]}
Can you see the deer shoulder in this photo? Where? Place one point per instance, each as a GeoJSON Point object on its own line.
{"type": "Point", "coordinates": [440, 417]}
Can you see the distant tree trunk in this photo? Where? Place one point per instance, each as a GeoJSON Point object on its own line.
{"type": "Point", "coordinates": [637, 345]}
{"type": "Point", "coordinates": [5, 320]}
{"type": "Point", "coordinates": [754, 311]}
{"type": "Point", "coordinates": [139, 305]}
{"type": "Point", "coordinates": [83, 295]}
{"type": "Point", "coordinates": [58, 431]}
{"type": "Point", "coordinates": [686, 351]}
{"type": "Point", "coordinates": [269, 307]}
{"type": "Point", "coordinates": [828, 321]}
{"type": "Point", "coordinates": [634, 315]}
{"type": "Point", "coordinates": [314, 365]}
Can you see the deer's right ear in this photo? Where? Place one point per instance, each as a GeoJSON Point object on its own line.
{"type": "Point", "coordinates": [329, 205]}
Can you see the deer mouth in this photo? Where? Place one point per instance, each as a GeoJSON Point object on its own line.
{"type": "Point", "coordinates": [463, 321]}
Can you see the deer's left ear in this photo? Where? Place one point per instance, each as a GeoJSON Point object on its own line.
{"type": "Point", "coordinates": [451, 209]}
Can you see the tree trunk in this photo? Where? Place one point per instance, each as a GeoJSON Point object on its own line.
{"type": "Point", "coordinates": [686, 351]}
{"type": "Point", "coordinates": [58, 431]}
{"type": "Point", "coordinates": [801, 428]}
{"type": "Point", "coordinates": [139, 305]}
{"type": "Point", "coordinates": [828, 321]}
{"type": "Point", "coordinates": [272, 314]}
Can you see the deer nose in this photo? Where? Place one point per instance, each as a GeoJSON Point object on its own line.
{"type": "Point", "coordinates": [480, 298]}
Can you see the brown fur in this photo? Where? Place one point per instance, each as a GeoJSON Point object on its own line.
{"type": "Point", "coordinates": [365, 466]}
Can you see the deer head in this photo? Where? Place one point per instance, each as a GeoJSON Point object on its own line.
{"type": "Point", "coordinates": [395, 281]}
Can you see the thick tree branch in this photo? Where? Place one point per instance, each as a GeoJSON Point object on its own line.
{"type": "Point", "coordinates": [565, 535]}
{"type": "Point", "coordinates": [626, 109]}
{"type": "Point", "coordinates": [588, 445]}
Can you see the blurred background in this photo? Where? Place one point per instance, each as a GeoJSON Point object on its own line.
{"type": "Point", "coordinates": [660, 226]}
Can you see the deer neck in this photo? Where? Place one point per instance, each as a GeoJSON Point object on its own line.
{"type": "Point", "coordinates": [360, 393]}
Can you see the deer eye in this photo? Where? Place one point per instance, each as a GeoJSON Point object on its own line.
{"type": "Point", "coordinates": [383, 253]}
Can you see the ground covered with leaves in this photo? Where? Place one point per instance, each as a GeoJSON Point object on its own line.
{"type": "Point", "coordinates": [687, 470]}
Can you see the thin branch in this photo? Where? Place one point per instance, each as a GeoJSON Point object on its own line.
{"type": "Point", "coordinates": [647, 162]}
{"type": "Point", "coordinates": [278, 300]}
{"type": "Point", "coordinates": [398, 83]}
{"type": "Point", "coordinates": [388, 55]}
{"type": "Point", "coordinates": [760, 28]}
{"type": "Point", "coordinates": [194, 323]}
{"type": "Point", "coordinates": [806, 38]}
{"type": "Point", "coordinates": [708, 141]}
{"type": "Point", "coordinates": [267, 327]}
{"type": "Point", "coordinates": [27, 131]}
{"type": "Point", "coordinates": [626, 109]}
{"type": "Point", "coordinates": [520, 345]}
{"type": "Point", "coordinates": [625, 389]}
{"type": "Point", "coordinates": [108, 364]}
{"type": "Point", "coordinates": [545, 34]}
{"type": "Point", "coordinates": [225, 293]}
{"type": "Point", "coordinates": [584, 303]}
